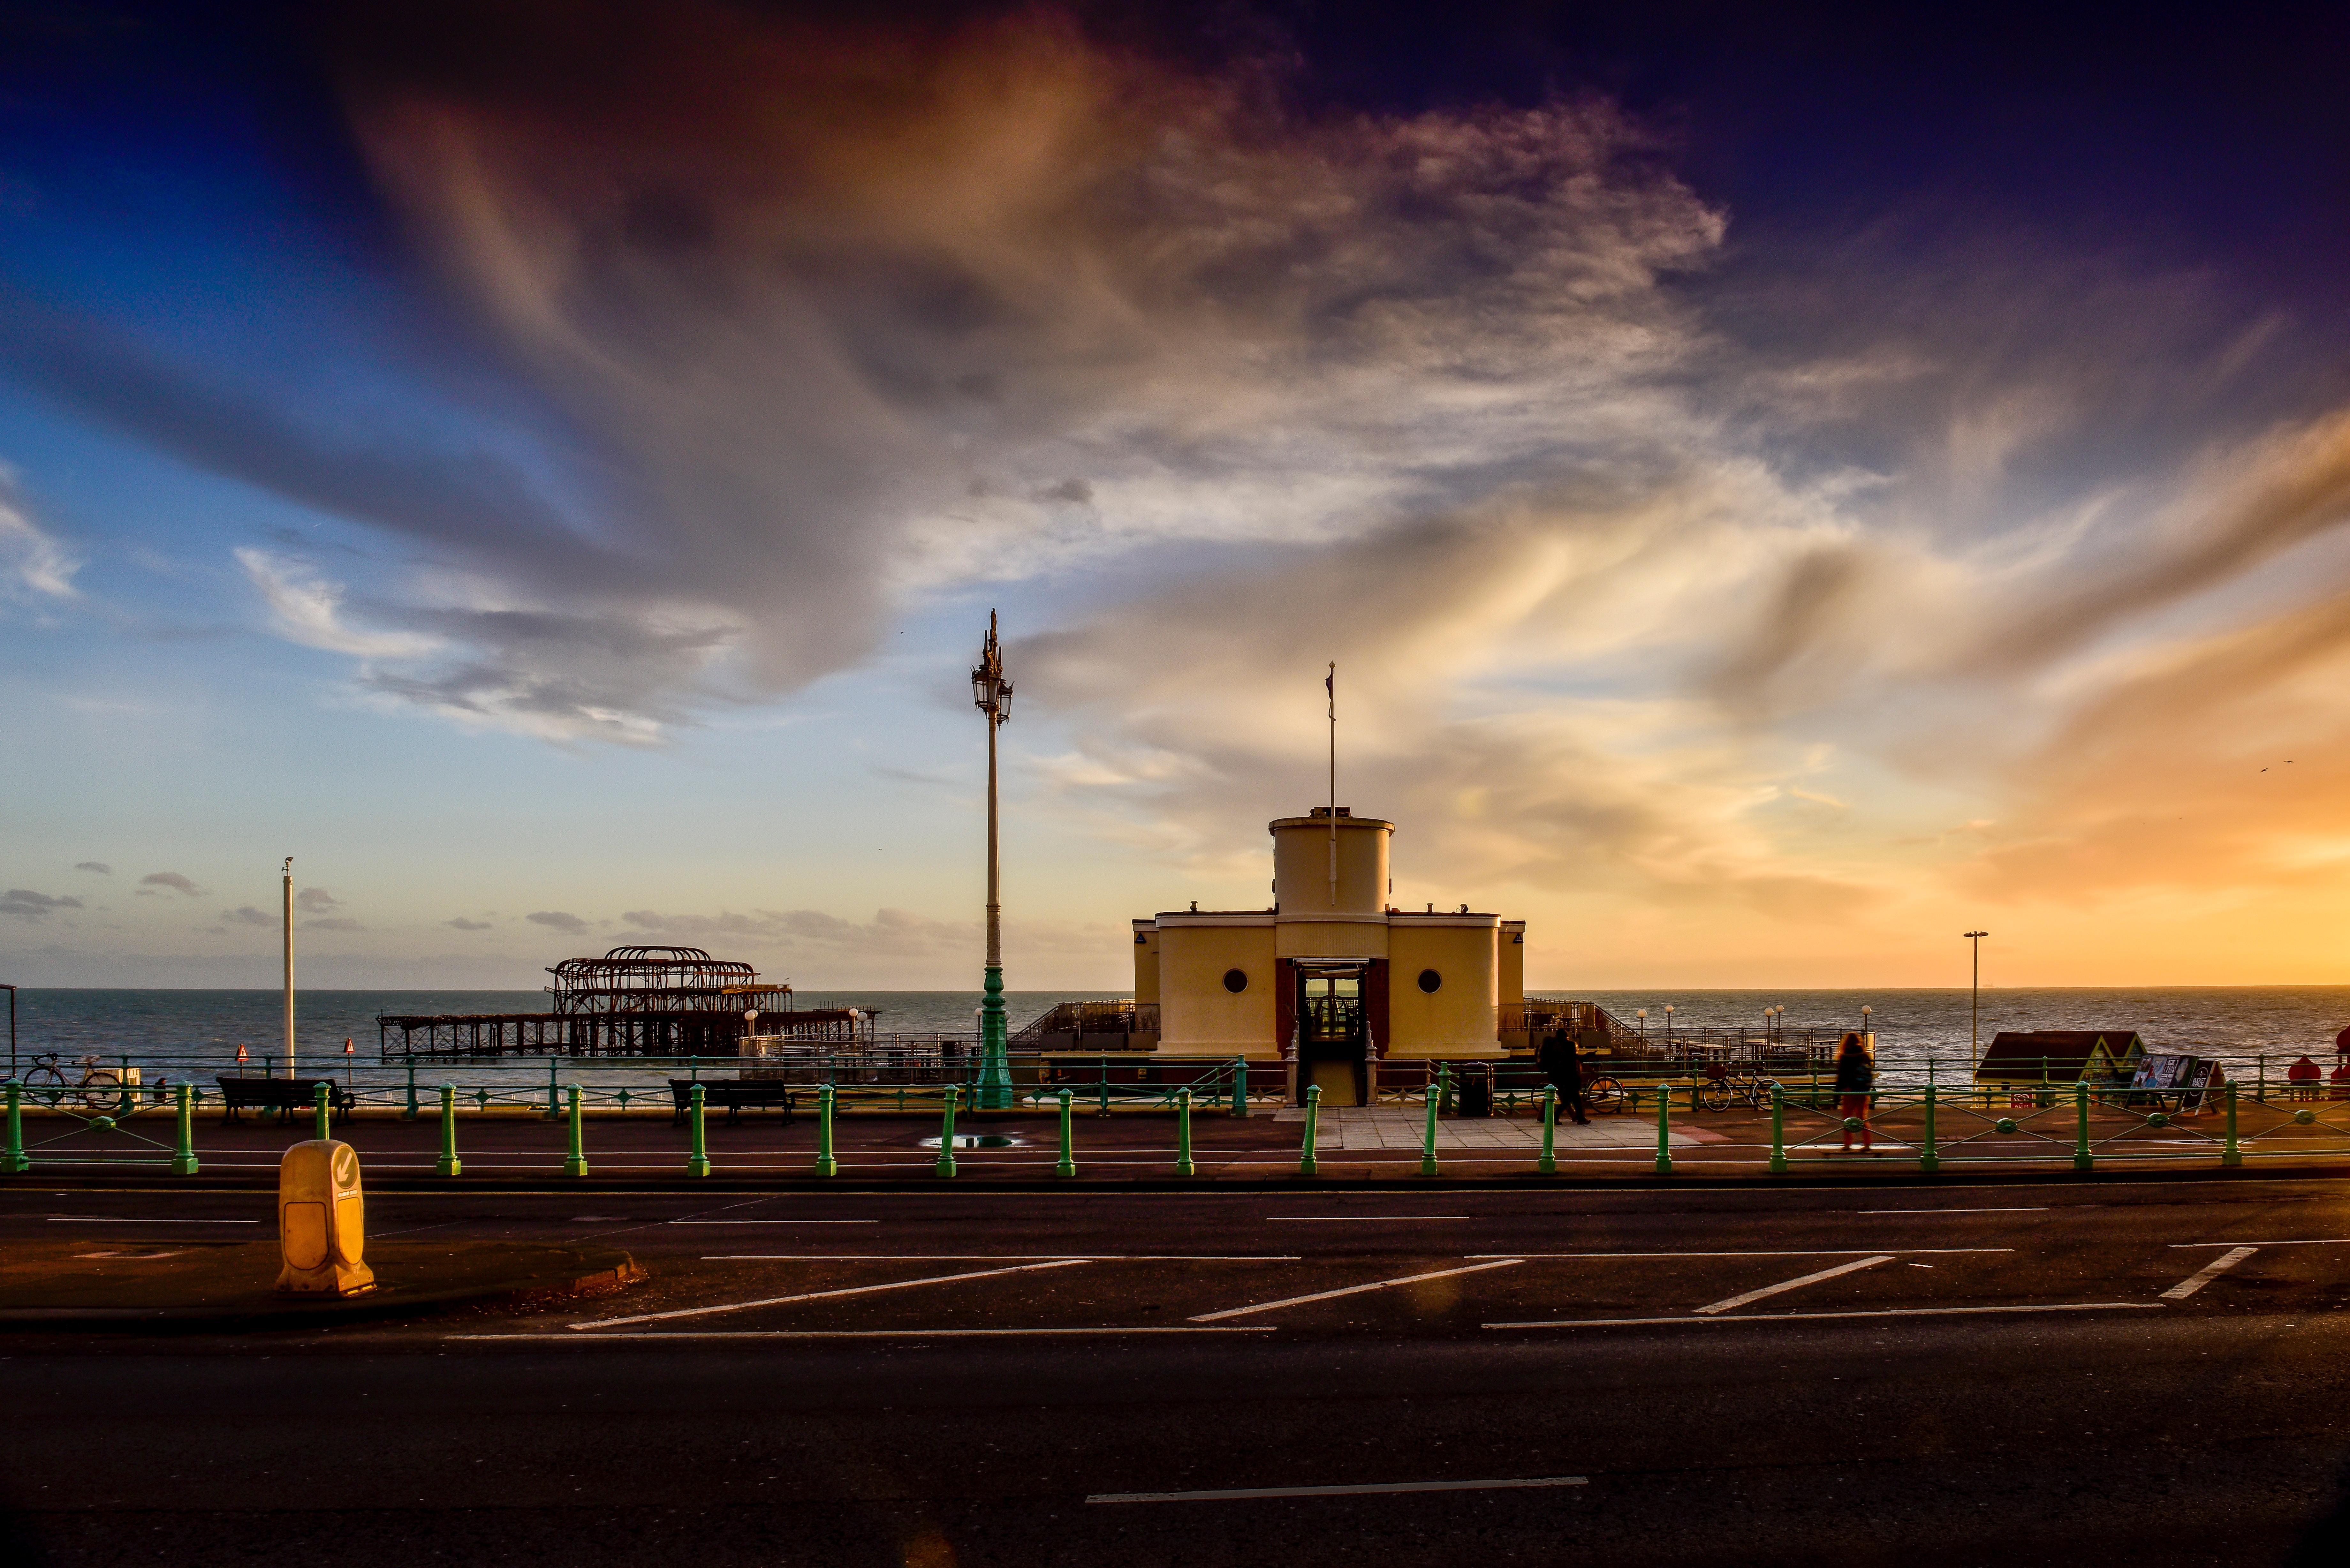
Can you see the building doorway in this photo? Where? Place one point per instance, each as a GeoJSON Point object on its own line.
{"type": "Point", "coordinates": [1333, 1035]}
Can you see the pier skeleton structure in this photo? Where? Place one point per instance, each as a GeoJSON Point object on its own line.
{"type": "Point", "coordinates": [653, 1002]}
{"type": "Point", "coordinates": [1333, 981]}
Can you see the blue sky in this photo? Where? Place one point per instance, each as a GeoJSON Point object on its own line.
{"type": "Point", "coordinates": [1778, 496]}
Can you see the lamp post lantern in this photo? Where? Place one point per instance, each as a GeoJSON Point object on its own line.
{"type": "Point", "coordinates": [991, 695]}
{"type": "Point", "coordinates": [1974, 1009]}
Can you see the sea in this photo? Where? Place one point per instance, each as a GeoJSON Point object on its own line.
{"type": "Point", "coordinates": [176, 1029]}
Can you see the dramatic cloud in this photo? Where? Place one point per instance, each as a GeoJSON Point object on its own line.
{"type": "Point", "coordinates": [27, 905]}
{"type": "Point", "coordinates": [171, 879]}
{"type": "Point", "coordinates": [555, 920]}
{"type": "Point", "coordinates": [100, 866]}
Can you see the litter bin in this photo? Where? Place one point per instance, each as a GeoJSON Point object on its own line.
{"type": "Point", "coordinates": [1472, 1089]}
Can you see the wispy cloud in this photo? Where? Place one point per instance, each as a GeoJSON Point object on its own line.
{"type": "Point", "coordinates": [27, 905]}
{"type": "Point", "coordinates": [171, 879]}
{"type": "Point", "coordinates": [32, 560]}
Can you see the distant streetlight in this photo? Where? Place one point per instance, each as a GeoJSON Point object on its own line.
{"type": "Point", "coordinates": [1865, 1010]}
{"type": "Point", "coordinates": [1642, 1015]}
{"type": "Point", "coordinates": [1668, 1020]}
{"type": "Point", "coordinates": [991, 695]}
{"type": "Point", "coordinates": [1974, 1011]}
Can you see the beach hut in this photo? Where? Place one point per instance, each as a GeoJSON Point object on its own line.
{"type": "Point", "coordinates": [2041, 1059]}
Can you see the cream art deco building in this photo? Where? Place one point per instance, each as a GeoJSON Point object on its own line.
{"type": "Point", "coordinates": [1333, 981]}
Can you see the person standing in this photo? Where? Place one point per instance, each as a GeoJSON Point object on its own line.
{"type": "Point", "coordinates": [1562, 1065]}
{"type": "Point", "coordinates": [1855, 1080]}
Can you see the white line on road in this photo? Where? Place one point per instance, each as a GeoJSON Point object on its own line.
{"type": "Point", "coordinates": [999, 1257]}
{"type": "Point", "coordinates": [819, 1296]}
{"type": "Point", "coordinates": [771, 1221]}
{"type": "Point", "coordinates": [1795, 1283]}
{"type": "Point", "coordinates": [1813, 1316]}
{"type": "Point", "coordinates": [1350, 1291]}
{"type": "Point", "coordinates": [2039, 1209]}
{"type": "Point", "coordinates": [2328, 1241]}
{"type": "Point", "coordinates": [89, 1219]}
{"type": "Point", "coordinates": [1819, 1253]}
{"type": "Point", "coordinates": [2207, 1274]}
{"type": "Point", "coordinates": [1353, 1219]}
{"type": "Point", "coordinates": [1242, 1492]}
{"type": "Point", "coordinates": [850, 1334]}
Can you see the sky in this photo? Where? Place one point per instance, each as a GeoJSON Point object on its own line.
{"type": "Point", "coordinates": [1782, 486]}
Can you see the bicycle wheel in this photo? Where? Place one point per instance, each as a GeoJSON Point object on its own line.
{"type": "Point", "coordinates": [1713, 1094]}
{"type": "Point", "coordinates": [46, 1085]}
{"type": "Point", "coordinates": [100, 1090]}
{"type": "Point", "coordinates": [1603, 1094]}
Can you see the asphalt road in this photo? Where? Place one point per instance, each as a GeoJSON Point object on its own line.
{"type": "Point", "coordinates": [2081, 1373]}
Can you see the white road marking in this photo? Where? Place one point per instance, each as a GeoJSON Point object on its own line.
{"type": "Point", "coordinates": [819, 1296]}
{"type": "Point", "coordinates": [1812, 1316]}
{"type": "Point", "coordinates": [771, 1221]}
{"type": "Point", "coordinates": [999, 1257]}
{"type": "Point", "coordinates": [1350, 1291]}
{"type": "Point", "coordinates": [1818, 1253]}
{"type": "Point", "coordinates": [2207, 1274]}
{"type": "Point", "coordinates": [2328, 1241]}
{"type": "Point", "coordinates": [89, 1219]}
{"type": "Point", "coordinates": [2039, 1209]}
{"type": "Point", "coordinates": [1353, 1219]}
{"type": "Point", "coordinates": [667, 1335]}
{"type": "Point", "coordinates": [1233, 1494]}
{"type": "Point", "coordinates": [1796, 1284]}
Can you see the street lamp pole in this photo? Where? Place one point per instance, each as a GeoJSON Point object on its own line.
{"type": "Point", "coordinates": [991, 694]}
{"type": "Point", "coordinates": [1974, 1009]}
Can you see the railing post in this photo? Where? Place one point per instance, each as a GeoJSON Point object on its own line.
{"type": "Point", "coordinates": [184, 1156]}
{"type": "Point", "coordinates": [1778, 1129]}
{"type": "Point", "coordinates": [1664, 1129]}
{"type": "Point", "coordinates": [2229, 1153]}
{"type": "Point", "coordinates": [1306, 1164]}
{"type": "Point", "coordinates": [2261, 1091]}
{"type": "Point", "coordinates": [2082, 1158]}
{"type": "Point", "coordinates": [1548, 1163]}
{"type": "Point", "coordinates": [1183, 1165]}
{"type": "Point", "coordinates": [1240, 1085]}
{"type": "Point", "coordinates": [946, 1165]}
{"type": "Point", "coordinates": [576, 1162]}
{"type": "Point", "coordinates": [1101, 1064]}
{"type": "Point", "coordinates": [1928, 1161]}
{"type": "Point", "coordinates": [409, 1115]}
{"type": "Point", "coordinates": [825, 1163]}
{"type": "Point", "coordinates": [1438, 1084]}
{"type": "Point", "coordinates": [323, 1102]}
{"type": "Point", "coordinates": [1068, 1164]}
{"type": "Point", "coordinates": [697, 1158]}
{"type": "Point", "coordinates": [554, 1094]}
{"type": "Point", "coordinates": [450, 1164]}
{"type": "Point", "coordinates": [18, 1161]}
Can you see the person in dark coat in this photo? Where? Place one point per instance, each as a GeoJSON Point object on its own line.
{"type": "Point", "coordinates": [1562, 1065]}
{"type": "Point", "coordinates": [1855, 1081]}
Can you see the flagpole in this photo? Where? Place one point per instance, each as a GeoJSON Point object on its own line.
{"type": "Point", "coordinates": [289, 965]}
{"type": "Point", "coordinates": [1330, 684]}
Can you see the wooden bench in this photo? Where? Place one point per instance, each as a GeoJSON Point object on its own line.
{"type": "Point", "coordinates": [734, 1094]}
{"type": "Point", "coordinates": [280, 1094]}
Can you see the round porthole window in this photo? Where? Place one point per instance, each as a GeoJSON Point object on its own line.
{"type": "Point", "coordinates": [1430, 979]}
{"type": "Point", "coordinates": [1236, 979]}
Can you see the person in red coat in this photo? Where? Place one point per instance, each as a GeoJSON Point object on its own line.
{"type": "Point", "coordinates": [2304, 1076]}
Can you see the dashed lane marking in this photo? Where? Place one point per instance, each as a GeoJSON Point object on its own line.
{"type": "Point", "coordinates": [819, 1296]}
{"type": "Point", "coordinates": [2207, 1274]}
{"type": "Point", "coordinates": [1795, 1284]}
{"type": "Point", "coordinates": [1354, 1218]}
{"type": "Point", "coordinates": [1818, 1317]}
{"type": "Point", "coordinates": [1814, 1252]}
{"type": "Point", "coordinates": [2035, 1209]}
{"type": "Point", "coordinates": [771, 1221]}
{"type": "Point", "coordinates": [1351, 1290]}
{"type": "Point", "coordinates": [2323, 1242]}
{"type": "Point", "coordinates": [95, 1220]}
{"type": "Point", "coordinates": [848, 1334]}
{"type": "Point", "coordinates": [1000, 1256]}
{"type": "Point", "coordinates": [1233, 1494]}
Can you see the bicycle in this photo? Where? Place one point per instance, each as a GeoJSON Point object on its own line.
{"type": "Point", "coordinates": [1720, 1090]}
{"type": "Point", "coordinates": [1603, 1094]}
{"type": "Point", "coordinates": [99, 1088]}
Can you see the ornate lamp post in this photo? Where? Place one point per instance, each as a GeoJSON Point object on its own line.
{"type": "Point", "coordinates": [991, 694]}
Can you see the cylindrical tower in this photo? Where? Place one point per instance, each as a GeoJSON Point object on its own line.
{"type": "Point", "coordinates": [1330, 884]}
